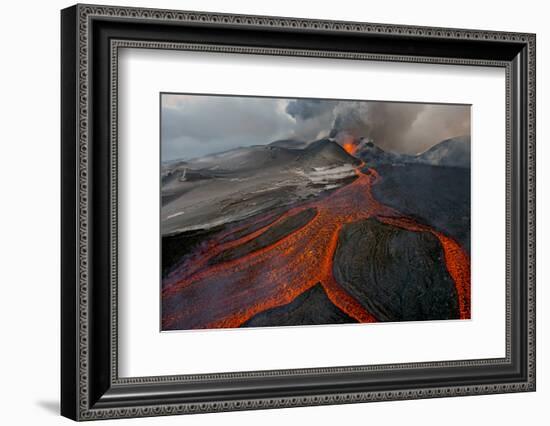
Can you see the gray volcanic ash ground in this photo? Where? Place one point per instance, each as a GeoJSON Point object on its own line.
{"type": "Point", "coordinates": [233, 185]}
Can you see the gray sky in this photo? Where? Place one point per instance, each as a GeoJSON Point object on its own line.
{"type": "Point", "coordinates": [197, 125]}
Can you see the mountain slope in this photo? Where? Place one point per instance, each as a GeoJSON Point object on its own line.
{"type": "Point", "coordinates": [289, 143]}
{"type": "Point", "coordinates": [220, 188]}
{"type": "Point", "coordinates": [325, 153]}
{"type": "Point", "coordinates": [243, 159]}
{"type": "Point", "coordinates": [372, 153]}
{"type": "Point", "coordinates": [454, 152]}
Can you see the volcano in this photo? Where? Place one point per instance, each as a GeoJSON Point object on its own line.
{"type": "Point", "coordinates": [313, 236]}
{"type": "Point", "coordinates": [326, 153]}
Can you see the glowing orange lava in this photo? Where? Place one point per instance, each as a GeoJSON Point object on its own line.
{"type": "Point", "coordinates": [199, 294]}
{"type": "Point", "coordinates": [350, 147]}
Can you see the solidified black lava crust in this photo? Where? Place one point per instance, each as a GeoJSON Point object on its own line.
{"type": "Point", "coordinates": [436, 196]}
{"type": "Point", "coordinates": [397, 275]}
{"type": "Point", "coordinates": [312, 307]}
{"type": "Point", "coordinates": [270, 236]}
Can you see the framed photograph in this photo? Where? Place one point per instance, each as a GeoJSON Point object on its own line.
{"type": "Point", "coordinates": [263, 212]}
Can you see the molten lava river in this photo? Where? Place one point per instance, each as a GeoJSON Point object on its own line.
{"type": "Point", "coordinates": [206, 292]}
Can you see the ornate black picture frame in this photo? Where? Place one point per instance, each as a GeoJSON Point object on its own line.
{"type": "Point", "coordinates": [90, 39]}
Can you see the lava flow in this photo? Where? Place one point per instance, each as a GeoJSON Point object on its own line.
{"type": "Point", "coordinates": [205, 292]}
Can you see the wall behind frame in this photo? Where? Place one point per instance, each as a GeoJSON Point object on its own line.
{"type": "Point", "coordinates": [30, 226]}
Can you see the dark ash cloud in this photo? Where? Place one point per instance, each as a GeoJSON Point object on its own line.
{"type": "Point", "coordinates": [306, 109]}
{"type": "Point", "coordinates": [196, 125]}
{"type": "Point", "coordinates": [407, 128]}
{"type": "Point", "coordinates": [412, 128]}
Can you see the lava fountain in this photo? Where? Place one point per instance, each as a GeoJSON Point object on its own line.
{"type": "Point", "coordinates": [349, 144]}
